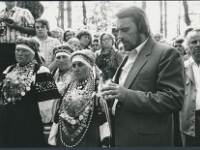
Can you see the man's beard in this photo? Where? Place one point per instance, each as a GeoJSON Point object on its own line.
{"type": "Point", "coordinates": [130, 47]}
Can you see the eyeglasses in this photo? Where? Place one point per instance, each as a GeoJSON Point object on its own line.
{"type": "Point", "coordinates": [107, 39]}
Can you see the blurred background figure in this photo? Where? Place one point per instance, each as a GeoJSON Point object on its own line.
{"type": "Point", "coordinates": [85, 38]}
{"type": "Point", "coordinates": [95, 45]}
{"type": "Point", "coordinates": [75, 43]}
{"type": "Point", "coordinates": [188, 53]}
{"type": "Point", "coordinates": [56, 34]}
{"type": "Point", "coordinates": [68, 34]}
{"type": "Point", "coordinates": [178, 44]}
{"type": "Point", "coordinates": [107, 58]}
{"type": "Point", "coordinates": [120, 47]}
{"type": "Point", "coordinates": [158, 36]}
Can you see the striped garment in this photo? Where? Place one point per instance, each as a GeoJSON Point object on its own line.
{"type": "Point", "coordinates": [22, 17]}
{"type": "Point", "coordinates": [46, 48]}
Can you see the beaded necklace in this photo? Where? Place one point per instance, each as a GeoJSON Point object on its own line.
{"type": "Point", "coordinates": [17, 83]}
{"type": "Point", "coordinates": [83, 117]}
{"type": "Point", "coordinates": [62, 80]}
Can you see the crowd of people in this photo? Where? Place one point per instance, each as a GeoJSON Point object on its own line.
{"type": "Point", "coordinates": [124, 88]}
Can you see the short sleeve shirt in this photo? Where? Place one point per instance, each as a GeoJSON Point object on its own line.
{"type": "Point", "coordinates": [46, 48]}
{"type": "Point", "coordinates": [22, 17]}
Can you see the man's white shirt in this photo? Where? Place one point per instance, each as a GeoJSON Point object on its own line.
{"type": "Point", "coordinates": [127, 67]}
{"type": "Point", "coordinates": [196, 72]}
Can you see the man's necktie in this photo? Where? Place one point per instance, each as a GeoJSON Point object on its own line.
{"type": "Point", "coordinates": [120, 69]}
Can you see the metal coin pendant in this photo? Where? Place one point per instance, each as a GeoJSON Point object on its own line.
{"type": "Point", "coordinates": [28, 88]}
{"type": "Point", "coordinates": [22, 93]}
{"type": "Point", "coordinates": [73, 121]}
{"type": "Point", "coordinates": [9, 99]}
{"type": "Point", "coordinates": [72, 139]}
{"type": "Point", "coordinates": [80, 117]}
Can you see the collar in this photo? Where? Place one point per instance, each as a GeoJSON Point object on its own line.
{"type": "Point", "coordinates": [13, 9]}
{"type": "Point", "coordinates": [137, 50]}
{"type": "Point", "coordinates": [191, 61]}
{"type": "Point", "coordinates": [48, 38]}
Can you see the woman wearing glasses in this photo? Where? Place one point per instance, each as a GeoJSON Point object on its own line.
{"type": "Point", "coordinates": [107, 58]}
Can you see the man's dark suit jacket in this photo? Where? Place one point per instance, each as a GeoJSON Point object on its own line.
{"type": "Point", "coordinates": [155, 90]}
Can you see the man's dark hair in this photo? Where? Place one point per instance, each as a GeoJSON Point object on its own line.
{"type": "Point", "coordinates": [138, 16]}
{"type": "Point", "coordinates": [178, 40]}
{"type": "Point", "coordinates": [43, 22]}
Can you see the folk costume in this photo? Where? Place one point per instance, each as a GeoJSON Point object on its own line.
{"type": "Point", "coordinates": [78, 124]}
{"type": "Point", "coordinates": [62, 77]}
{"type": "Point", "coordinates": [22, 88]}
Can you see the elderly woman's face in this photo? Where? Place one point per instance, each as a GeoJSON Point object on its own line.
{"type": "Point", "coordinates": [106, 41]}
{"type": "Point", "coordinates": [23, 56]}
{"type": "Point", "coordinates": [81, 71]}
{"type": "Point", "coordinates": [63, 62]}
{"type": "Point", "coordinates": [85, 40]}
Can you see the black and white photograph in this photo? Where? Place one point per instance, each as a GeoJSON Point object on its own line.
{"type": "Point", "coordinates": [99, 74]}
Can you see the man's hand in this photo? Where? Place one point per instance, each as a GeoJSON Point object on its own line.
{"type": "Point", "coordinates": [10, 23]}
{"type": "Point", "coordinates": [114, 91]}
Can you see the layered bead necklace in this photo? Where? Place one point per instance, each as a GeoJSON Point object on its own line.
{"type": "Point", "coordinates": [62, 79]}
{"type": "Point", "coordinates": [17, 83]}
{"type": "Point", "coordinates": [77, 110]}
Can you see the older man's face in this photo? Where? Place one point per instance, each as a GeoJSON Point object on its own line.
{"type": "Point", "coordinates": [128, 33]}
{"type": "Point", "coordinates": [194, 44]}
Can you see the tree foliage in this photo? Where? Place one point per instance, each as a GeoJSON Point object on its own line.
{"type": "Point", "coordinates": [103, 15]}
{"type": "Point", "coordinates": [35, 7]}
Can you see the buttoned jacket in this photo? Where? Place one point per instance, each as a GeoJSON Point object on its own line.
{"type": "Point", "coordinates": [187, 114]}
{"type": "Point", "coordinates": [154, 91]}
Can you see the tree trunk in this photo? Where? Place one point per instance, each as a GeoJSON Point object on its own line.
{"type": "Point", "coordinates": [186, 13]}
{"type": "Point", "coordinates": [59, 12]}
{"type": "Point", "coordinates": [144, 5]}
{"type": "Point", "coordinates": [165, 9]}
{"type": "Point", "coordinates": [69, 14]}
{"type": "Point", "coordinates": [161, 17]}
{"type": "Point", "coordinates": [62, 14]}
{"type": "Point", "coordinates": [179, 19]}
{"type": "Point", "coordinates": [84, 13]}
{"type": "Point", "coordinates": [35, 7]}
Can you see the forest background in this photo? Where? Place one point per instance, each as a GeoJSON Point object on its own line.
{"type": "Point", "coordinates": [170, 18]}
